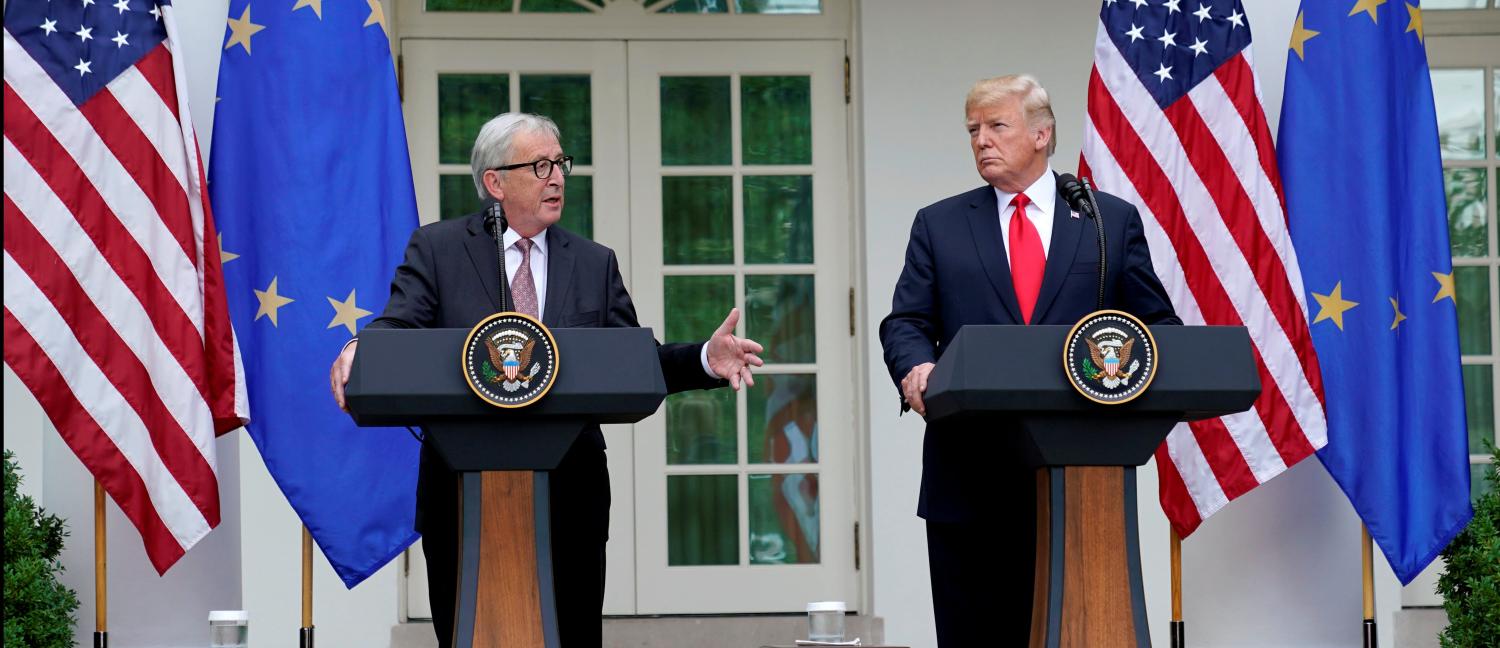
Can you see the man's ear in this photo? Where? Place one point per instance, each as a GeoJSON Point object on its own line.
{"type": "Point", "coordinates": [1044, 137]}
{"type": "Point", "coordinates": [492, 184]}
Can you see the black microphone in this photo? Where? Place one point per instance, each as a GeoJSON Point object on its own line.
{"type": "Point", "coordinates": [1080, 197]}
{"type": "Point", "coordinates": [495, 224]}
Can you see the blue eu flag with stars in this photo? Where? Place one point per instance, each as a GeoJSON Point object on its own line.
{"type": "Point", "coordinates": [1359, 156]}
{"type": "Point", "coordinates": [311, 185]}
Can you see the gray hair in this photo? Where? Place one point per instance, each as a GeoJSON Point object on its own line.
{"type": "Point", "coordinates": [492, 146]}
{"type": "Point", "coordinates": [1036, 105]}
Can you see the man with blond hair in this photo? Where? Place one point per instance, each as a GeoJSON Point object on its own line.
{"type": "Point", "coordinates": [1010, 252]}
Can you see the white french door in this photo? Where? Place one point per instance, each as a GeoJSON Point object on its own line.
{"type": "Point", "coordinates": [745, 502]}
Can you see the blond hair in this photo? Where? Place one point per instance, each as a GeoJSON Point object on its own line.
{"type": "Point", "coordinates": [1036, 105]}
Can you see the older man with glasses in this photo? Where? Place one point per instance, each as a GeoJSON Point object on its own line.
{"type": "Point", "coordinates": [450, 279]}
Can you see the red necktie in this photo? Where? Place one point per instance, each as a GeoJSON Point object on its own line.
{"type": "Point", "coordinates": [1027, 260]}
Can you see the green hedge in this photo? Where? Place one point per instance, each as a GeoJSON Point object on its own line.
{"type": "Point", "coordinates": [1470, 586]}
{"type": "Point", "coordinates": [38, 609]}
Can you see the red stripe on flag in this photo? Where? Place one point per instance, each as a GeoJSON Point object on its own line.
{"type": "Point", "coordinates": [1156, 190]}
{"type": "Point", "coordinates": [1223, 454]}
{"type": "Point", "coordinates": [124, 254]}
{"type": "Point", "coordinates": [1176, 502]}
{"type": "Point", "coordinates": [156, 66]}
{"type": "Point", "coordinates": [1239, 217]}
{"type": "Point", "coordinates": [217, 330]}
{"type": "Point", "coordinates": [144, 164]}
{"type": "Point", "coordinates": [87, 440]}
{"type": "Point", "coordinates": [123, 368]}
{"type": "Point", "coordinates": [1238, 81]}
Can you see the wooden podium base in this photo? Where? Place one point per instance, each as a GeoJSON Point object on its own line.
{"type": "Point", "coordinates": [1088, 563]}
{"type": "Point", "coordinates": [505, 592]}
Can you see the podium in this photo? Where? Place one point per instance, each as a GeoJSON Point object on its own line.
{"type": "Point", "coordinates": [1087, 590]}
{"type": "Point", "coordinates": [413, 377]}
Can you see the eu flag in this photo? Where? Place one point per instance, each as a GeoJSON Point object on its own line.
{"type": "Point", "coordinates": [312, 187]}
{"type": "Point", "coordinates": [1358, 150]}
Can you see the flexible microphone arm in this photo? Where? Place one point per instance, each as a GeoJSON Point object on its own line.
{"type": "Point", "coordinates": [496, 223]}
{"type": "Point", "coordinates": [1098, 216]}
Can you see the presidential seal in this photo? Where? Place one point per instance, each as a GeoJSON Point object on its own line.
{"type": "Point", "coordinates": [510, 360]}
{"type": "Point", "coordinates": [1110, 357]}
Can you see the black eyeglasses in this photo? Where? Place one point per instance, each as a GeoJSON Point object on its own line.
{"type": "Point", "coordinates": [543, 168]}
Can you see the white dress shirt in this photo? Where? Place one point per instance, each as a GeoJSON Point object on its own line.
{"type": "Point", "coordinates": [1043, 197]}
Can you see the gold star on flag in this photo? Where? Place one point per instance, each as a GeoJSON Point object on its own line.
{"type": "Point", "coordinates": [1300, 36]}
{"type": "Point", "coordinates": [1396, 306]}
{"type": "Point", "coordinates": [1367, 6]}
{"type": "Point", "coordinates": [1414, 24]}
{"type": "Point", "coordinates": [347, 313]}
{"type": "Point", "coordinates": [377, 15]}
{"type": "Point", "coordinates": [317, 6]}
{"type": "Point", "coordinates": [1445, 287]}
{"type": "Point", "coordinates": [270, 301]}
{"type": "Point", "coordinates": [1333, 305]}
{"type": "Point", "coordinates": [225, 257]}
{"type": "Point", "coordinates": [240, 31]}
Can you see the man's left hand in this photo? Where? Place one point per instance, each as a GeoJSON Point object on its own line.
{"type": "Point", "coordinates": [730, 356]}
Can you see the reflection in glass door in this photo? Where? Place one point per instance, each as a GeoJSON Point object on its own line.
{"type": "Point", "coordinates": [739, 172]}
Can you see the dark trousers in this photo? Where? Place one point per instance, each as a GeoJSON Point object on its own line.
{"type": "Point", "coordinates": [580, 526]}
{"type": "Point", "coordinates": [982, 573]}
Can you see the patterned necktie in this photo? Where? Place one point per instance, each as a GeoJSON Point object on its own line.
{"type": "Point", "coordinates": [523, 287]}
{"type": "Point", "coordinates": [1027, 260]}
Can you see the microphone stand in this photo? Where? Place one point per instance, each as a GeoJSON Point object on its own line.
{"type": "Point", "coordinates": [497, 218]}
{"type": "Point", "coordinates": [1093, 206]}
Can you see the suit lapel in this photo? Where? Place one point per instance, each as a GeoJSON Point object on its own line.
{"type": "Point", "coordinates": [483, 252]}
{"type": "Point", "coordinates": [984, 223]}
{"type": "Point", "coordinates": [1066, 231]}
{"type": "Point", "coordinates": [559, 275]}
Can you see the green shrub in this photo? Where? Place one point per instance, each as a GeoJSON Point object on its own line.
{"type": "Point", "coordinates": [38, 609]}
{"type": "Point", "coordinates": [1470, 586]}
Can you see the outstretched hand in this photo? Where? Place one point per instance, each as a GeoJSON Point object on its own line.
{"type": "Point", "coordinates": [730, 356]}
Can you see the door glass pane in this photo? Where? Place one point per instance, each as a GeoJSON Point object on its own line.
{"type": "Point", "coordinates": [697, 6]}
{"type": "Point", "coordinates": [778, 219]}
{"type": "Point", "coordinates": [470, 5]}
{"type": "Point", "coordinates": [1453, 4]}
{"type": "Point", "coordinates": [700, 427]}
{"type": "Point", "coordinates": [1459, 97]}
{"type": "Point", "coordinates": [578, 205]}
{"type": "Point", "coordinates": [783, 519]}
{"type": "Point", "coordinates": [696, 305]}
{"type": "Point", "coordinates": [466, 102]}
{"type": "Point", "coordinates": [781, 419]}
{"type": "Point", "coordinates": [1479, 406]}
{"type": "Point", "coordinates": [566, 99]}
{"type": "Point", "coordinates": [779, 310]}
{"type": "Point", "coordinates": [1473, 287]}
{"type": "Point", "coordinates": [697, 220]}
{"type": "Point", "coordinates": [695, 120]}
{"type": "Point", "coordinates": [703, 519]}
{"type": "Point", "coordinates": [456, 196]}
{"type": "Point", "coordinates": [1479, 486]}
{"type": "Point", "coordinates": [776, 119]}
{"type": "Point", "coordinates": [779, 6]}
{"type": "Point", "coordinates": [552, 6]}
{"type": "Point", "coordinates": [1468, 222]}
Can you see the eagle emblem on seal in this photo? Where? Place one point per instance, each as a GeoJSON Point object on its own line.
{"type": "Point", "coordinates": [510, 352]}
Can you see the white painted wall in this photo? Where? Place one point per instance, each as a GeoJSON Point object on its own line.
{"type": "Point", "coordinates": [1278, 567]}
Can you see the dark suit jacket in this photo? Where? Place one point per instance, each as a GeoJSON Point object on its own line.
{"type": "Point", "coordinates": [450, 278]}
{"type": "Point", "coordinates": [956, 273]}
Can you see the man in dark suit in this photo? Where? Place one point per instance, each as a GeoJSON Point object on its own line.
{"type": "Point", "coordinates": [1010, 252]}
{"type": "Point", "coordinates": [451, 279]}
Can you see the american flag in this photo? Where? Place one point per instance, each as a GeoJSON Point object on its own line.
{"type": "Point", "coordinates": [1176, 126]}
{"type": "Point", "coordinates": [115, 313]}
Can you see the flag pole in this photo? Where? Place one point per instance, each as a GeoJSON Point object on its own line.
{"type": "Point", "coordinates": [1367, 563]}
{"type": "Point", "coordinates": [1179, 640]}
{"type": "Point", "coordinates": [305, 635]}
{"type": "Point", "coordinates": [101, 589]}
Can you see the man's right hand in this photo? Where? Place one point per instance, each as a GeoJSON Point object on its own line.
{"type": "Point", "coordinates": [338, 374]}
{"type": "Point", "coordinates": [913, 386]}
